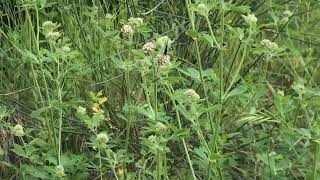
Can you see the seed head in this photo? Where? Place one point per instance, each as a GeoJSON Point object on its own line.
{"type": "Point", "coordinates": [148, 47]}
{"type": "Point", "coordinates": [162, 59]}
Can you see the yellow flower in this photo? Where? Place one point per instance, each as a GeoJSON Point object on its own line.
{"type": "Point", "coordinates": [102, 100]}
{"type": "Point", "coordinates": [96, 108]}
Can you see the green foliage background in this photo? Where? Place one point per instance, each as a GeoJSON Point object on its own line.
{"type": "Point", "coordinates": [238, 99]}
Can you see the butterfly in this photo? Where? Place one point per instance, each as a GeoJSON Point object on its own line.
{"type": "Point", "coordinates": [166, 49]}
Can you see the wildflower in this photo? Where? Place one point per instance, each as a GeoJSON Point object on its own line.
{"type": "Point", "coordinates": [163, 41]}
{"type": "Point", "coordinates": [102, 138]}
{"type": "Point", "coordinates": [53, 36]}
{"type": "Point", "coordinates": [136, 22]}
{"type": "Point", "coordinates": [121, 171]}
{"type": "Point", "coordinates": [59, 171]}
{"type": "Point", "coordinates": [250, 19]}
{"type": "Point", "coordinates": [18, 130]}
{"type": "Point", "coordinates": [66, 49]}
{"type": "Point", "coordinates": [160, 127]}
{"type": "Point", "coordinates": [127, 29]}
{"type": "Point", "coordinates": [148, 47]}
{"type": "Point", "coordinates": [192, 95]}
{"type": "Point", "coordinates": [162, 59]}
{"type": "Point", "coordinates": [102, 100]}
{"type": "Point", "coordinates": [96, 108]}
{"type": "Point", "coordinates": [270, 45]}
{"type": "Point", "coordinates": [49, 26]}
{"type": "Point", "coordinates": [203, 9]}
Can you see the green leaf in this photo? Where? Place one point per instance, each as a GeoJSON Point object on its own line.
{"type": "Point", "coordinates": [19, 150]}
{"type": "Point", "coordinates": [192, 33]}
{"type": "Point", "coordinates": [181, 133]}
{"type": "Point", "coordinates": [207, 38]}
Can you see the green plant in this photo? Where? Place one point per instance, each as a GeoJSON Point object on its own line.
{"type": "Point", "coordinates": [194, 89]}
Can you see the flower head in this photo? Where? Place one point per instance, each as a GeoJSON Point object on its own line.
{"type": "Point", "coordinates": [269, 44]}
{"type": "Point", "coordinates": [192, 95]}
{"type": "Point", "coordinates": [53, 36]}
{"type": "Point", "coordinates": [49, 26]}
{"type": "Point", "coordinates": [148, 47]}
{"type": "Point", "coordinates": [160, 127]}
{"type": "Point", "coordinates": [18, 130]}
{"type": "Point", "coordinates": [59, 171]}
{"type": "Point", "coordinates": [66, 49]}
{"type": "Point", "coordinates": [162, 59]}
{"type": "Point", "coordinates": [162, 42]}
{"type": "Point", "coordinates": [250, 19]}
{"type": "Point", "coordinates": [102, 138]}
{"type": "Point", "coordinates": [203, 9]}
{"type": "Point", "coordinates": [127, 29]}
{"type": "Point", "coordinates": [136, 22]}
{"type": "Point", "coordinates": [81, 110]}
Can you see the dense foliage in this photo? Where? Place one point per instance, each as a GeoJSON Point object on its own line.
{"type": "Point", "coordinates": [147, 89]}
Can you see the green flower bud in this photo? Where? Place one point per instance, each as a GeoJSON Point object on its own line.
{"type": "Point", "coordinates": [18, 130]}
{"type": "Point", "coordinates": [192, 95]}
{"type": "Point", "coordinates": [162, 42]}
{"type": "Point", "coordinates": [81, 110]}
{"type": "Point", "coordinates": [136, 22]}
{"type": "Point", "coordinates": [59, 171]}
{"type": "Point", "coordinates": [269, 44]}
{"type": "Point", "coordinates": [102, 138]}
{"type": "Point", "coordinates": [160, 127]}
{"type": "Point", "coordinates": [250, 19]}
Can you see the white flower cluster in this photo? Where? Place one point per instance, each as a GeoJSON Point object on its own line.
{"type": "Point", "coordinates": [127, 29]}
{"type": "Point", "coordinates": [269, 44]}
{"type": "Point", "coordinates": [148, 47]}
{"type": "Point", "coordinates": [162, 59]}
{"type": "Point", "coordinates": [49, 28]}
{"type": "Point", "coordinates": [192, 95]}
{"type": "Point", "coordinates": [132, 23]}
{"type": "Point", "coordinates": [250, 19]}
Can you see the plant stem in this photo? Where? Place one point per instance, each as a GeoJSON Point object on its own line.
{"type": "Point", "coordinates": [170, 91]}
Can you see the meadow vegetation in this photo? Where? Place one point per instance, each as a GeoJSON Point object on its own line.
{"type": "Point", "coordinates": [167, 89]}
